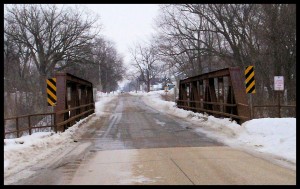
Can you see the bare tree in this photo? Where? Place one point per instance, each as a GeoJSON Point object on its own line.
{"type": "Point", "coordinates": [277, 34]}
{"type": "Point", "coordinates": [19, 77]}
{"type": "Point", "coordinates": [104, 66]}
{"type": "Point", "coordinates": [185, 42]}
{"type": "Point", "coordinates": [55, 37]}
{"type": "Point", "coordinates": [199, 36]}
{"type": "Point", "coordinates": [146, 61]}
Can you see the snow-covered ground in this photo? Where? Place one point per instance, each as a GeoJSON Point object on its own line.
{"type": "Point", "coordinates": [274, 136]}
{"type": "Point", "coordinates": [22, 152]}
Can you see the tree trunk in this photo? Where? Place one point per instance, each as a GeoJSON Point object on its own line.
{"type": "Point", "coordinates": [148, 85]}
{"type": "Point", "coordinates": [43, 98]}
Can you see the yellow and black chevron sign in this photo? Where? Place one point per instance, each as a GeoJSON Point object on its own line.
{"type": "Point", "coordinates": [250, 82]}
{"type": "Point", "coordinates": [51, 91]}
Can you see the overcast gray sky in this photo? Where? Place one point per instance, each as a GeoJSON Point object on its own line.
{"type": "Point", "coordinates": [125, 24]}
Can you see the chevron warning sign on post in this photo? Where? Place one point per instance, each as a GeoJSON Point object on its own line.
{"type": "Point", "coordinates": [51, 91]}
{"type": "Point", "coordinates": [250, 82]}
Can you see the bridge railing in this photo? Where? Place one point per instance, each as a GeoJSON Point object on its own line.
{"type": "Point", "coordinates": [75, 101]}
{"type": "Point", "coordinates": [220, 93]}
{"type": "Point", "coordinates": [89, 109]}
{"type": "Point", "coordinates": [15, 127]}
{"type": "Point", "coordinates": [258, 111]}
{"type": "Point", "coordinates": [219, 104]}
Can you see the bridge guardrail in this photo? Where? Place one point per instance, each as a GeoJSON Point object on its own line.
{"type": "Point", "coordinates": [53, 126]}
{"type": "Point", "coordinates": [74, 101]}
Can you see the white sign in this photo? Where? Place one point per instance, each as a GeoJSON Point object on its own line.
{"type": "Point", "coordinates": [278, 83]}
{"type": "Point", "coordinates": [166, 89]}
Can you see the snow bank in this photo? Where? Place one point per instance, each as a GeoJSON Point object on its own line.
{"type": "Point", "coordinates": [275, 136]}
{"type": "Point", "coordinates": [27, 150]}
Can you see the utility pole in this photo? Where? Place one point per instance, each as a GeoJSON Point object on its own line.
{"type": "Point", "coordinates": [100, 84]}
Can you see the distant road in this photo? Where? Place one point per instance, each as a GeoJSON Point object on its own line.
{"type": "Point", "coordinates": [135, 144]}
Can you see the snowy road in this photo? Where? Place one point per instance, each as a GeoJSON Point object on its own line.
{"type": "Point", "coordinates": [135, 144]}
{"type": "Point", "coordinates": [134, 125]}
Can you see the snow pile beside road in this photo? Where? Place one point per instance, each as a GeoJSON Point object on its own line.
{"type": "Point", "coordinates": [22, 152]}
{"type": "Point", "coordinates": [272, 135]}
{"type": "Point", "coordinates": [25, 151]}
{"type": "Point", "coordinates": [102, 100]}
{"type": "Point", "coordinates": [276, 136]}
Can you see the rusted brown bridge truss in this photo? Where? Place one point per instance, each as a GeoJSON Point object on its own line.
{"type": "Point", "coordinates": [74, 102]}
{"type": "Point", "coordinates": [219, 93]}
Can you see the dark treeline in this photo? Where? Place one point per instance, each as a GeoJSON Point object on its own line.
{"type": "Point", "coordinates": [40, 40]}
{"type": "Point", "coordinates": [193, 39]}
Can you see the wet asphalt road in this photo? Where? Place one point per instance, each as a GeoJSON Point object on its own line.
{"type": "Point", "coordinates": [128, 124]}
{"type": "Point", "coordinates": [134, 125]}
{"type": "Point", "coordinates": [135, 144]}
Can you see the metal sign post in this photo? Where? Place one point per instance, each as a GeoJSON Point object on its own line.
{"type": "Point", "coordinates": [279, 86]}
{"type": "Point", "coordinates": [251, 107]}
{"type": "Point", "coordinates": [278, 96]}
{"type": "Point", "coordinates": [250, 86]}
